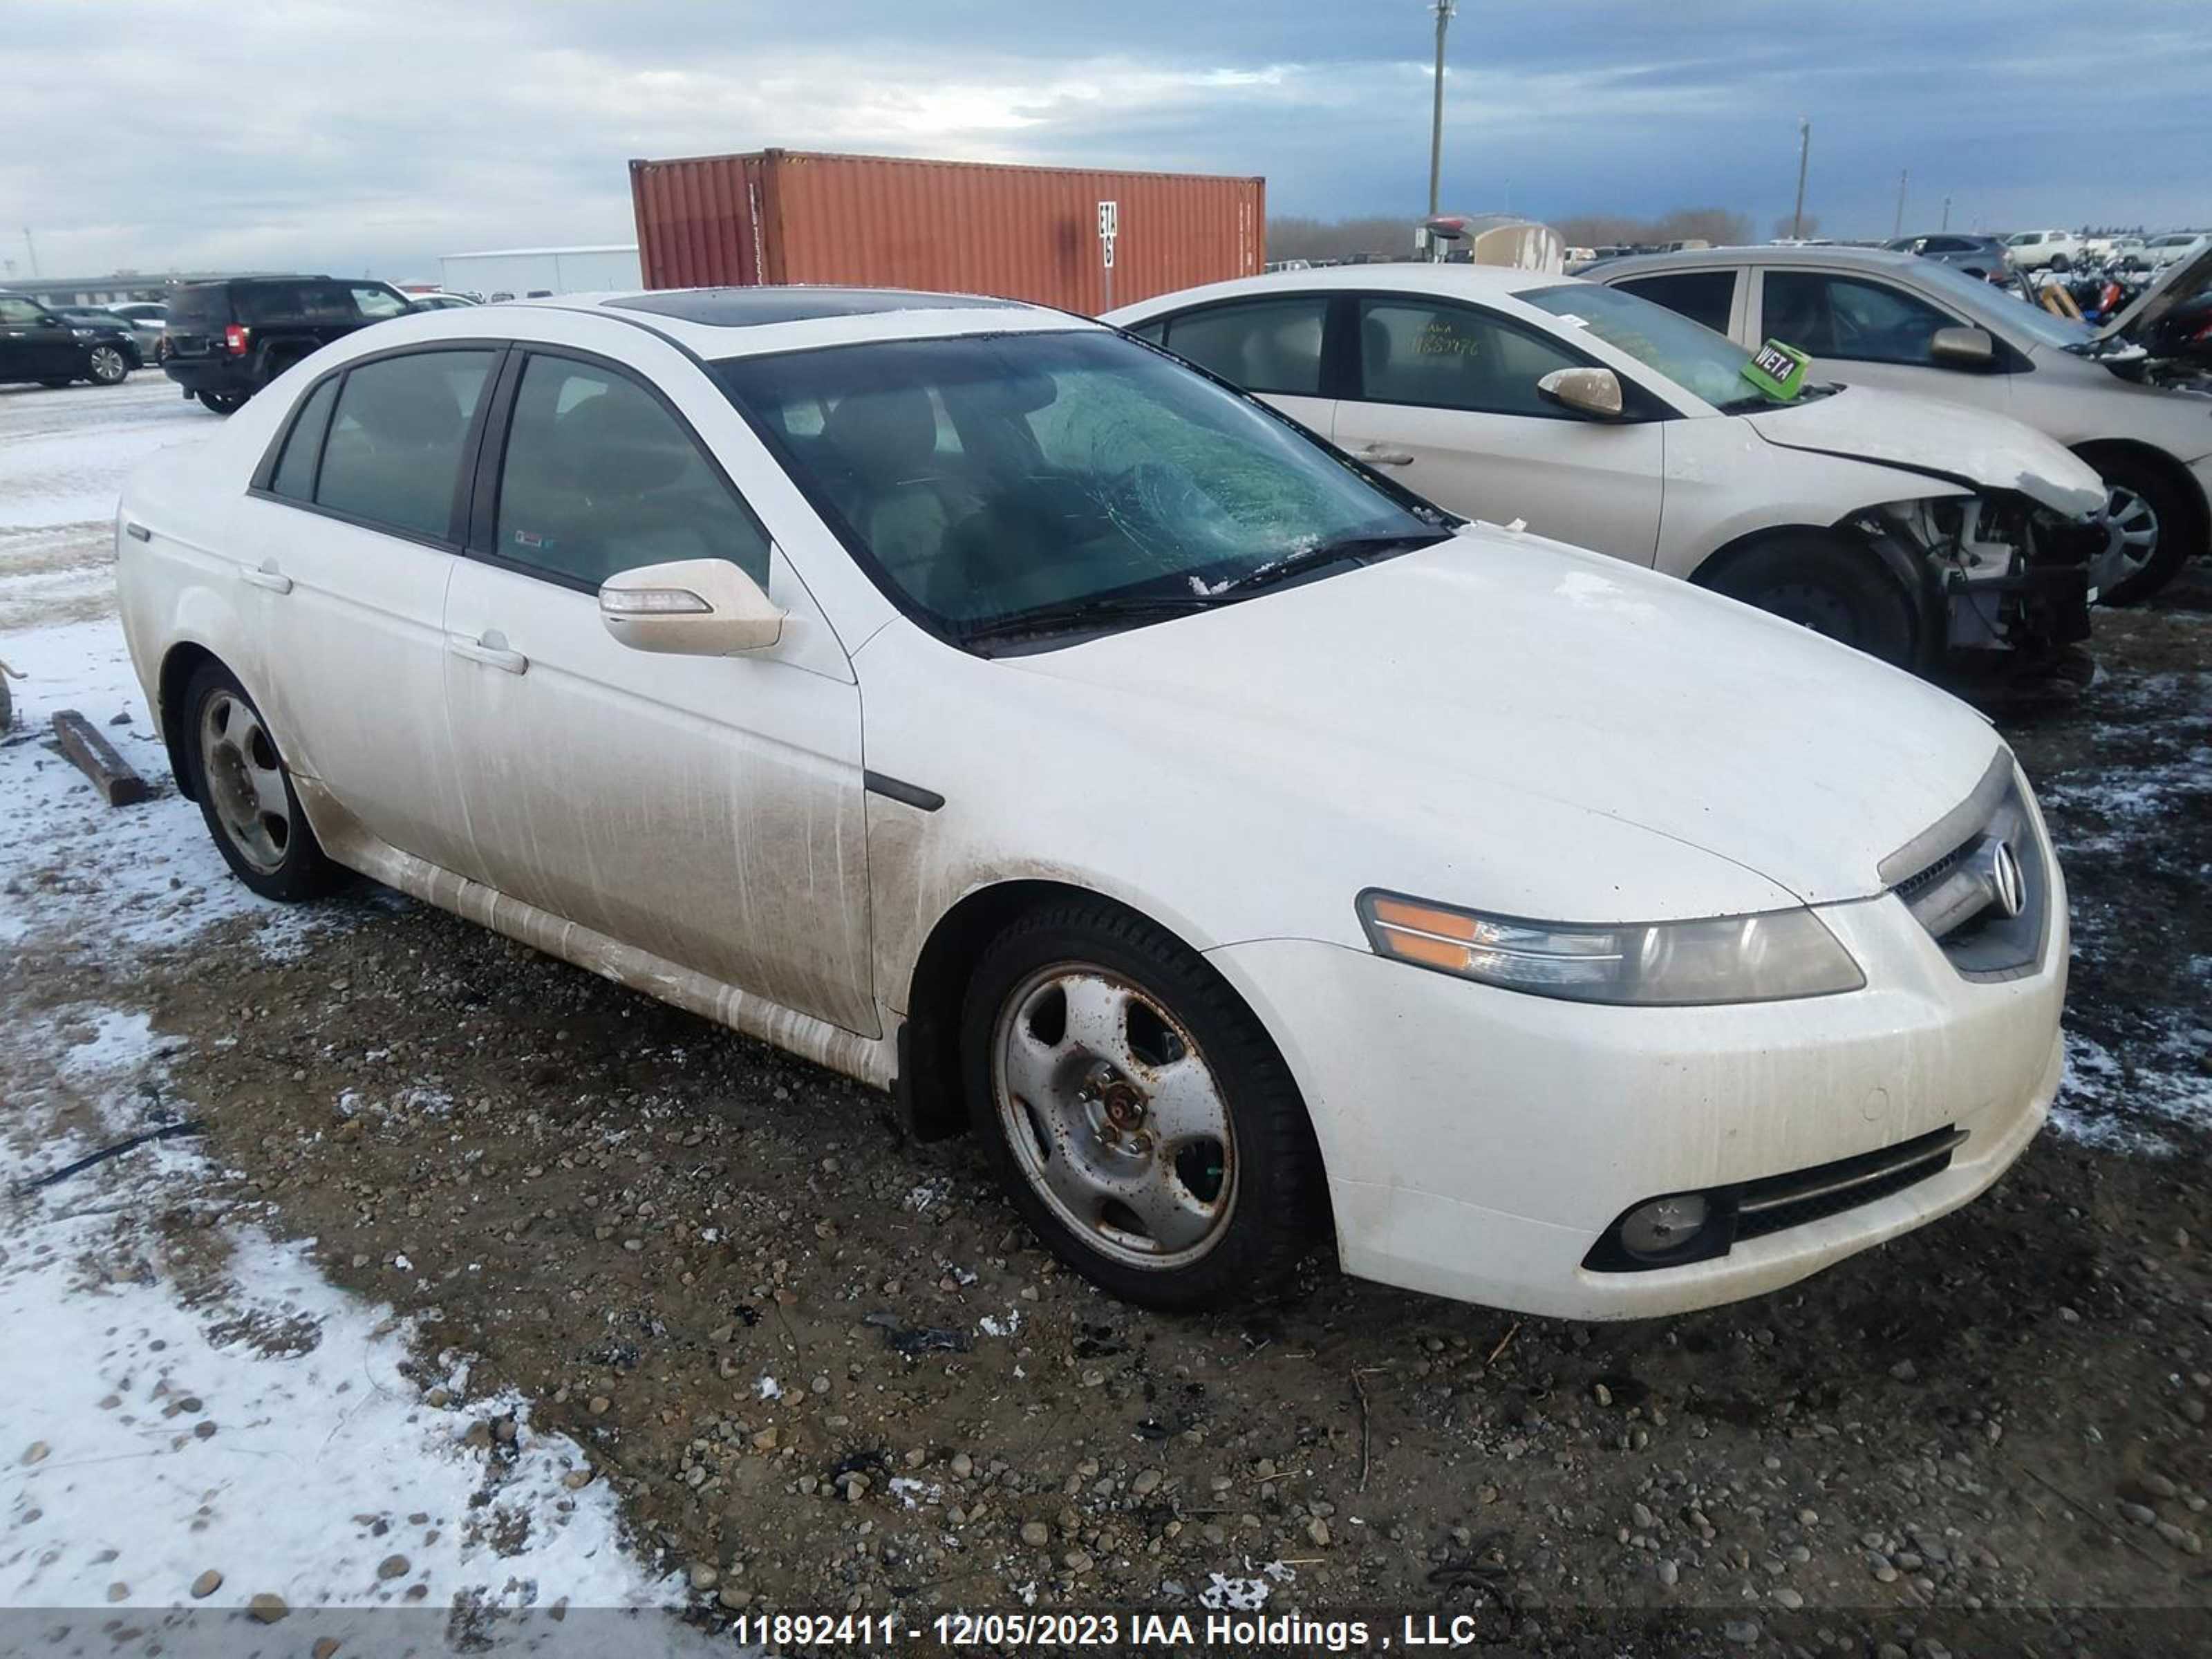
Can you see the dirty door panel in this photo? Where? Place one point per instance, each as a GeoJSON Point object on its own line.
{"type": "Point", "coordinates": [707, 810]}
{"type": "Point", "coordinates": [346, 561]}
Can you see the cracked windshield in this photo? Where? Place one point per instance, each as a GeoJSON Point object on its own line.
{"type": "Point", "coordinates": [993, 478]}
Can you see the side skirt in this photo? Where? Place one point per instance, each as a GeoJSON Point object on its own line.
{"type": "Point", "coordinates": [872, 1061]}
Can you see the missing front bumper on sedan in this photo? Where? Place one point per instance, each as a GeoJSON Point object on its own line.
{"type": "Point", "coordinates": [1676, 1230]}
{"type": "Point", "coordinates": [2012, 575]}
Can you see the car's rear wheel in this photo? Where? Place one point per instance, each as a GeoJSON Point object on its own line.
{"type": "Point", "coordinates": [2149, 512]}
{"type": "Point", "coordinates": [246, 793]}
{"type": "Point", "coordinates": [1138, 1114]}
{"type": "Point", "coordinates": [224, 403]}
{"type": "Point", "coordinates": [1834, 590]}
{"type": "Point", "coordinates": [108, 365]}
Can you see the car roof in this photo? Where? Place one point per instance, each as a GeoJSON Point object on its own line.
{"type": "Point", "coordinates": [744, 322]}
{"type": "Point", "coordinates": [1706, 258]}
{"type": "Point", "coordinates": [1400, 276]}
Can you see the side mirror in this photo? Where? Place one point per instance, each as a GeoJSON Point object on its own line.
{"type": "Point", "coordinates": [1592, 391]}
{"type": "Point", "coordinates": [691, 608]}
{"type": "Point", "coordinates": [1962, 348]}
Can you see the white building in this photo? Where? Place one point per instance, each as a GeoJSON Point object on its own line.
{"type": "Point", "coordinates": [516, 272]}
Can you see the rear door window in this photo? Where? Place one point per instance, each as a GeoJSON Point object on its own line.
{"type": "Point", "coordinates": [295, 473]}
{"type": "Point", "coordinates": [1703, 296]}
{"type": "Point", "coordinates": [1262, 345]}
{"type": "Point", "coordinates": [600, 478]}
{"type": "Point", "coordinates": [397, 439]}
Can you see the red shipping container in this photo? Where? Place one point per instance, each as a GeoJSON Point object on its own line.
{"type": "Point", "coordinates": [1021, 232]}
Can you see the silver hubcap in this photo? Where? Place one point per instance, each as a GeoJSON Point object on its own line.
{"type": "Point", "coordinates": [2134, 522]}
{"type": "Point", "coordinates": [1115, 1117]}
{"type": "Point", "coordinates": [245, 781]}
{"type": "Point", "coordinates": [107, 363]}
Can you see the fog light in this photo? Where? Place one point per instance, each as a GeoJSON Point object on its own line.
{"type": "Point", "coordinates": [1664, 1226]}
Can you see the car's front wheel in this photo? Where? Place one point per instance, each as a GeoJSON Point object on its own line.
{"type": "Point", "coordinates": [224, 403]}
{"type": "Point", "coordinates": [2149, 513]}
{"type": "Point", "coordinates": [246, 793]}
{"type": "Point", "coordinates": [1138, 1114]}
{"type": "Point", "coordinates": [107, 367]}
{"type": "Point", "coordinates": [1832, 589]}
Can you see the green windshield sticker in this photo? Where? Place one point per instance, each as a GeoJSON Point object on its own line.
{"type": "Point", "coordinates": [1777, 369]}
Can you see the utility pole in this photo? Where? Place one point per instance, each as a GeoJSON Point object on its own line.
{"type": "Point", "coordinates": [1444, 10]}
{"type": "Point", "coordinates": [31, 248]}
{"type": "Point", "coordinates": [1804, 153]}
{"type": "Point", "coordinates": [1903, 174]}
{"type": "Point", "coordinates": [1945, 225]}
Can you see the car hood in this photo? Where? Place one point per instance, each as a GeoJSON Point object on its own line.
{"type": "Point", "coordinates": [1471, 691]}
{"type": "Point", "coordinates": [1938, 439]}
{"type": "Point", "coordinates": [2184, 281]}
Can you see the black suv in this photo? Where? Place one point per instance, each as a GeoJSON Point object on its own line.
{"type": "Point", "coordinates": [39, 344]}
{"type": "Point", "coordinates": [227, 340]}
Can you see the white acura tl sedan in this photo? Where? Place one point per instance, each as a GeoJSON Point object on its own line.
{"type": "Point", "coordinates": [978, 702]}
{"type": "Point", "coordinates": [1909, 529]}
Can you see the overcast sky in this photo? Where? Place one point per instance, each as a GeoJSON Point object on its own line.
{"type": "Point", "coordinates": [373, 136]}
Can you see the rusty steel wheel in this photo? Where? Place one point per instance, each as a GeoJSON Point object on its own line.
{"type": "Point", "coordinates": [1139, 1114]}
{"type": "Point", "coordinates": [1113, 1115]}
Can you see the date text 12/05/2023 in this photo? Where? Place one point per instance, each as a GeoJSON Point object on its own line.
{"type": "Point", "coordinates": [1241, 1632]}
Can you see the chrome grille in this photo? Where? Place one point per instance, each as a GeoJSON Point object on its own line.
{"type": "Point", "coordinates": [1985, 896]}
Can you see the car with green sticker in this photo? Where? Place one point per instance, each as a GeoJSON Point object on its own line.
{"type": "Point", "coordinates": [1912, 531]}
{"type": "Point", "coordinates": [2111, 390]}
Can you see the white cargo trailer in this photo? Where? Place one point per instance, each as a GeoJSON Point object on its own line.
{"type": "Point", "coordinates": [517, 272]}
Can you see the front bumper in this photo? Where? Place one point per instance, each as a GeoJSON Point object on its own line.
{"type": "Point", "coordinates": [1479, 1142]}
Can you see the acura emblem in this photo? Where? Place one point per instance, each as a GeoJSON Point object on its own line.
{"type": "Point", "coordinates": [2008, 885]}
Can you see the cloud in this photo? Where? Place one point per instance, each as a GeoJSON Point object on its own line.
{"type": "Point", "coordinates": [154, 134]}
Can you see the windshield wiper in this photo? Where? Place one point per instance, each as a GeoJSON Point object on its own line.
{"type": "Point", "coordinates": [1080, 613]}
{"type": "Point", "coordinates": [1355, 548]}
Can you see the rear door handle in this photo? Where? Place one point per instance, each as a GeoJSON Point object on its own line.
{"type": "Point", "coordinates": [1376, 455]}
{"type": "Point", "coordinates": [269, 577]}
{"type": "Point", "coordinates": [491, 651]}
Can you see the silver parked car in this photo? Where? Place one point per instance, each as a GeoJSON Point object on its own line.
{"type": "Point", "coordinates": [1888, 319]}
{"type": "Point", "coordinates": [1977, 255]}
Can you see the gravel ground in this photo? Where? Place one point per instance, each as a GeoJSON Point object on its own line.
{"type": "Point", "coordinates": [824, 1367]}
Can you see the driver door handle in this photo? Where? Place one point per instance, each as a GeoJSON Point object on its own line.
{"type": "Point", "coordinates": [491, 650]}
{"type": "Point", "coordinates": [1376, 455]}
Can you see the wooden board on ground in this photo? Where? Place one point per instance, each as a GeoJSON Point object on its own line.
{"type": "Point", "coordinates": [94, 755]}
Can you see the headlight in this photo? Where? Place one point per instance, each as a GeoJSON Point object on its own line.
{"type": "Point", "coordinates": [1769, 958]}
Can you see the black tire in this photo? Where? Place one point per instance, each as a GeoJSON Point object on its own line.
{"type": "Point", "coordinates": [2156, 493]}
{"type": "Point", "coordinates": [1266, 1181]}
{"type": "Point", "coordinates": [224, 403]}
{"type": "Point", "coordinates": [2060, 262]}
{"type": "Point", "coordinates": [287, 865]}
{"type": "Point", "coordinates": [1836, 591]}
{"type": "Point", "coordinates": [108, 365]}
